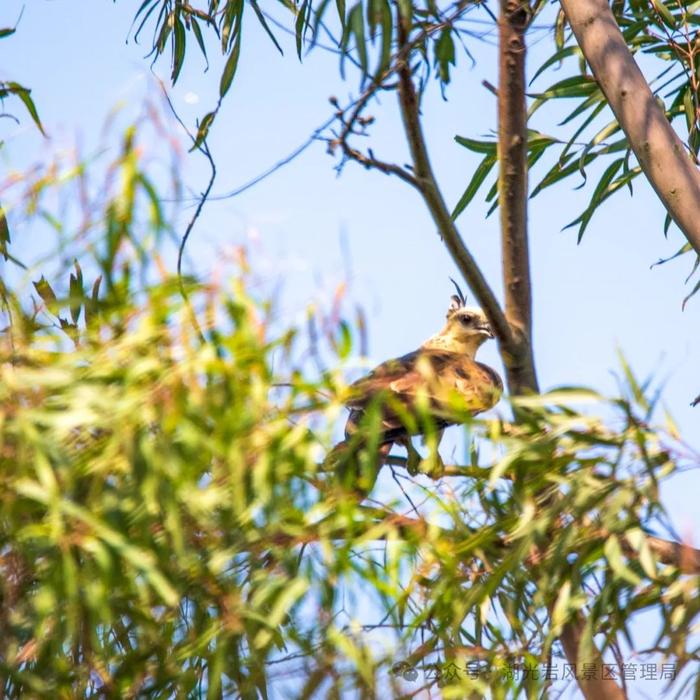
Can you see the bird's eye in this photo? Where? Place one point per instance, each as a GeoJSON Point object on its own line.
{"type": "Point", "coordinates": [465, 320]}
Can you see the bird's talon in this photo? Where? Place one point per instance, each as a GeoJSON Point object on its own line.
{"type": "Point", "coordinates": [413, 463]}
{"type": "Point", "coordinates": [433, 468]}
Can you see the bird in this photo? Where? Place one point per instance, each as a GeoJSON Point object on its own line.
{"type": "Point", "coordinates": [443, 369]}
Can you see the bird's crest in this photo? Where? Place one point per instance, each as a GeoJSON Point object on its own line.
{"type": "Point", "coordinates": [458, 301]}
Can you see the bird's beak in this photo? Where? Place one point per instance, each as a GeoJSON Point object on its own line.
{"type": "Point", "coordinates": [486, 328]}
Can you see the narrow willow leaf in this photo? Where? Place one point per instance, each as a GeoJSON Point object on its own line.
{"type": "Point", "coordinates": [229, 70]}
{"type": "Point", "coordinates": [691, 295]}
{"type": "Point", "coordinates": [444, 55]}
{"type": "Point", "coordinates": [203, 130]}
{"type": "Point", "coordinates": [613, 553]}
{"type": "Point", "coordinates": [164, 33]}
{"type": "Point", "coordinates": [689, 109]}
{"type": "Point", "coordinates": [480, 174]}
{"type": "Point", "coordinates": [265, 26]}
{"type": "Point", "coordinates": [561, 607]}
{"type": "Point", "coordinates": [356, 24]}
{"type": "Point", "coordinates": [666, 14]}
{"type": "Point", "coordinates": [340, 6]}
{"type": "Point", "coordinates": [45, 291]}
{"type": "Point", "coordinates": [476, 145]}
{"type": "Point", "coordinates": [300, 26]}
{"type": "Point", "coordinates": [76, 292]}
{"type": "Point", "coordinates": [559, 26]}
{"type": "Point", "coordinates": [179, 44]}
{"type": "Point", "coordinates": [387, 34]}
{"type": "Point", "coordinates": [667, 224]}
{"type": "Point", "coordinates": [200, 40]}
{"type": "Point", "coordinates": [4, 233]}
{"type": "Point", "coordinates": [575, 86]}
{"type": "Point", "coordinates": [24, 94]}
{"type": "Point", "coordinates": [557, 57]}
{"type": "Point", "coordinates": [685, 248]}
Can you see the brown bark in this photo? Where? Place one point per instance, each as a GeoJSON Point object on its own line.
{"type": "Point", "coordinates": [512, 192]}
{"type": "Point", "coordinates": [593, 688]}
{"type": "Point", "coordinates": [513, 196]}
{"type": "Point", "coordinates": [661, 154]}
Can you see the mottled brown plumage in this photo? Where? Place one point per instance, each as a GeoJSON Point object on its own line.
{"type": "Point", "coordinates": [443, 366]}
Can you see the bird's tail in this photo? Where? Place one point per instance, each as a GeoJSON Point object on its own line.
{"type": "Point", "coordinates": [355, 465]}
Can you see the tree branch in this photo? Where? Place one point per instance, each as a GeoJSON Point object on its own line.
{"type": "Point", "coordinates": [661, 154]}
{"type": "Point", "coordinates": [595, 687]}
{"type": "Point", "coordinates": [428, 187]}
{"type": "Point", "coordinates": [512, 192]}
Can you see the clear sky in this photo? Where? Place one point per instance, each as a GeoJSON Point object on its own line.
{"type": "Point", "coordinates": [590, 299]}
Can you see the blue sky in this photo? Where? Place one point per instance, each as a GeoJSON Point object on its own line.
{"type": "Point", "coordinates": [589, 300]}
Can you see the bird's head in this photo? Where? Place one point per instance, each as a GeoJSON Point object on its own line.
{"type": "Point", "coordinates": [466, 329]}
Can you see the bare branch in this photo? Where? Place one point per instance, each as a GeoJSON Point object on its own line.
{"type": "Point", "coordinates": [660, 152]}
{"type": "Point", "coordinates": [512, 191]}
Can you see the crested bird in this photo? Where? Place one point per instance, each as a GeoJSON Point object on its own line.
{"type": "Point", "coordinates": [430, 378]}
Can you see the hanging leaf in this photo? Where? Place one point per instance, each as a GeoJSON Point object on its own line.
{"type": "Point", "coordinates": [480, 174]}
{"type": "Point", "coordinates": [203, 130]}
{"type": "Point", "coordinates": [179, 42]}
{"type": "Point", "coordinates": [76, 292]}
{"type": "Point", "coordinates": [230, 68]}
{"type": "Point", "coordinates": [4, 233]}
{"type": "Point", "coordinates": [46, 293]}
{"type": "Point", "coordinates": [24, 94]}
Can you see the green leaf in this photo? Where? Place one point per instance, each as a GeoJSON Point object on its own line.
{"type": "Point", "coordinates": [476, 145]}
{"type": "Point", "coordinates": [203, 130]}
{"type": "Point", "coordinates": [44, 290]}
{"type": "Point", "coordinates": [689, 108]}
{"type": "Point", "coordinates": [356, 24]}
{"type": "Point", "coordinates": [445, 54]}
{"type": "Point", "coordinates": [25, 95]}
{"type": "Point", "coordinates": [179, 43]}
{"type": "Point", "coordinates": [613, 553]}
{"type": "Point", "coordinates": [4, 233]}
{"type": "Point", "coordinates": [597, 197]}
{"type": "Point", "coordinates": [91, 304]}
{"type": "Point", "coordinates": [6, 32]}
{"type": "Point", "coordinates": [691, 295]}
{"type": "Point", "coordinates": [263, 23]}
{"type": "Point", "coordinates": [76, 292]}
{"type": "Point", "coordinates": [387, 33]}
{"type": "Point", "coordinates": [575, 86]}
{"type": "Point", "coordinates": [164, 33]}
{"type": "Point", "coordinates": [229, 71]}
{"type": "Point", "coordinates": [300, 26]}
{"type": "Point", "coordinates": [557, 57]}
{"type": "Point", "coordinates": [340, 6]}
{"type": "Point", "coordinates": [200, 40]}
{"type": "Point", "coordinates": [480, 174]}
{"type": "Point", "coordinates": [665, 13]}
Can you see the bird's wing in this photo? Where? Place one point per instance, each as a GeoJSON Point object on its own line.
{"type": "Point", "coordinates": [401, 377]}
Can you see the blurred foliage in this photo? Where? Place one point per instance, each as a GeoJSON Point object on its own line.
{"type": "Point", "coordinates": [168, 528]}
